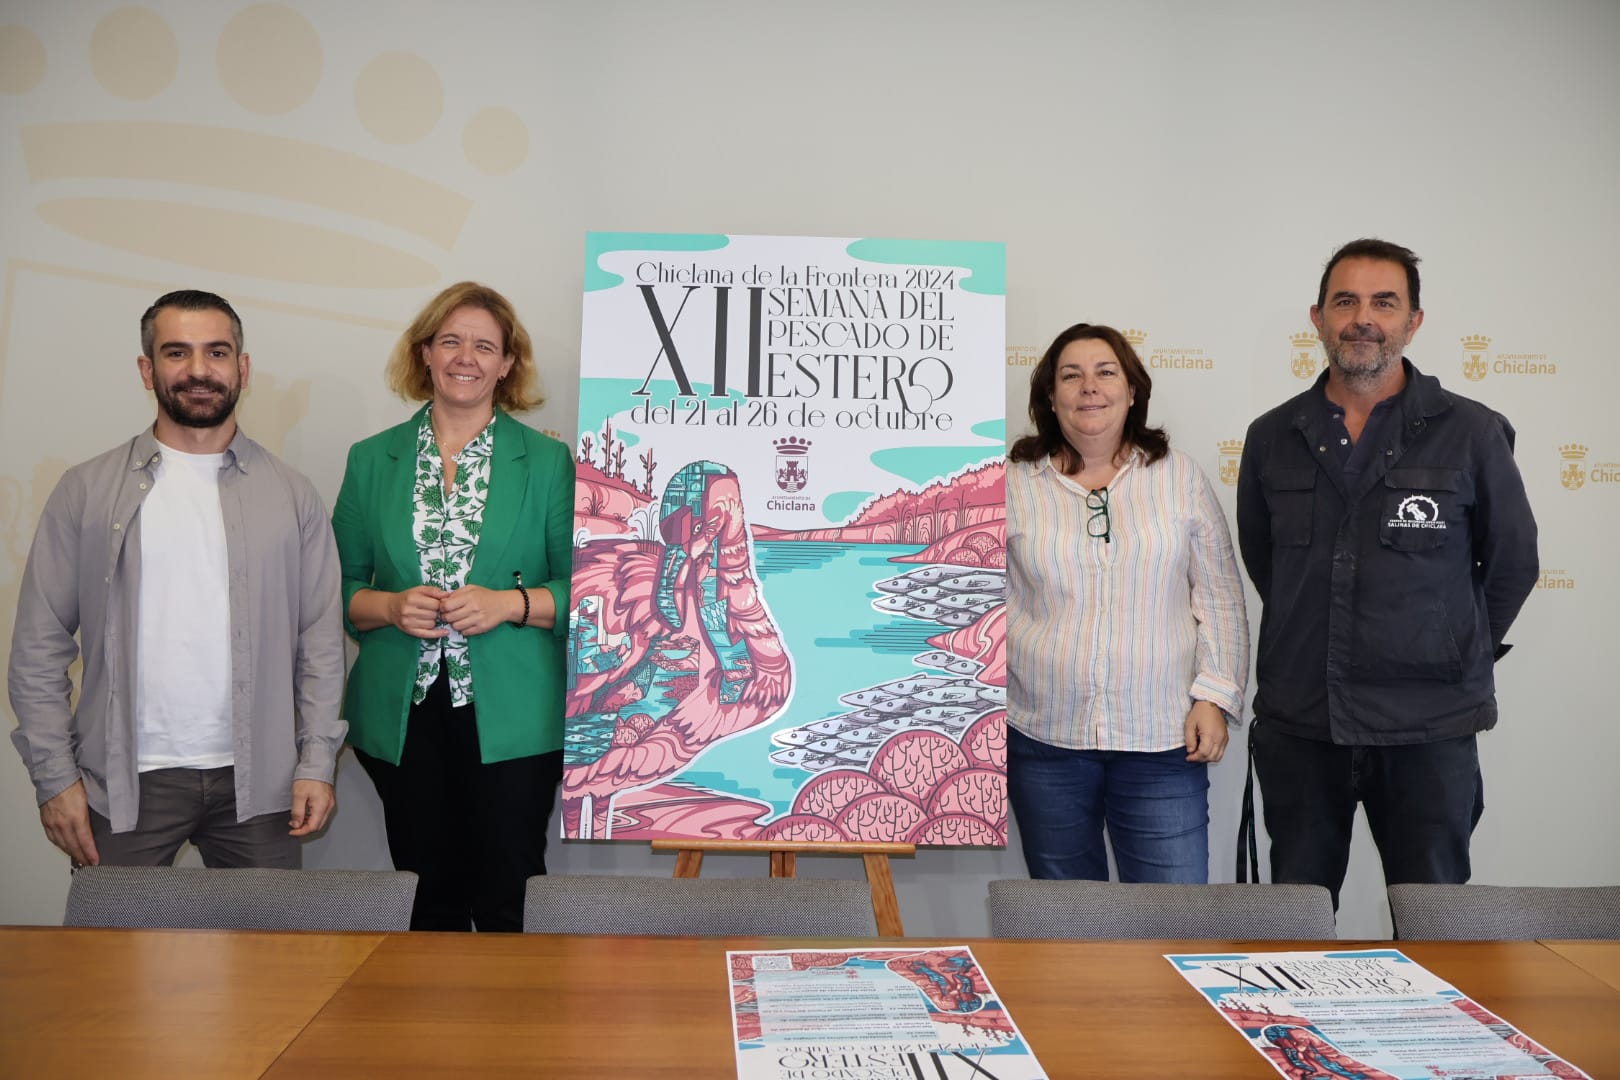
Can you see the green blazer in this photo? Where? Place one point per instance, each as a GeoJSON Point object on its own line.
{"type": "Point", "coordinates": [517, 674]}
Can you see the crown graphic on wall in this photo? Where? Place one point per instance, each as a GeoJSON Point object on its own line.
{"type": "Point", "coordinates": [1573, 451]}
{"type": "Point", "coordinates": [273, 205]}
{"type": "Point", "coordinates": [792, 445]}
{"type": "Point", "coordinates": [1136, 337]}
{"type": "Point", "coordinates": [1474, 366]}
{"type": "Point", "coordinates": [1230, 450]}
{"type": "Point", "coordinates": [1305, 362]}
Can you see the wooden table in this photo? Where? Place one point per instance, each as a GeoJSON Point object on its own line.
{"type": "Point", "coordinates": [194, 1003]}
{"type": "Point", "coordinates": [1600, 958]}
{"type": "Point", "coordinates": [162, 1003]}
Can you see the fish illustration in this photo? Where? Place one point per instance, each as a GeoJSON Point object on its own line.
{"type": "Point", "coordinates": [969, 599]}
{"type": "Point", "coordinates": [954, 725]}
{"type": "Point", "coordinates": [976, 583]}
{"type": "Point", "coordinates": [907, 687]}
{"type": "Point", "coordinates": [947, 695]}
{"type": "Point", "coordinates": [869, 697]}
{"type": "Point", "coordinates": [871, 733]}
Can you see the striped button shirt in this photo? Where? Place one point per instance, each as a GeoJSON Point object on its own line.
{"type": "Point", "coordinates": [1109, 643]}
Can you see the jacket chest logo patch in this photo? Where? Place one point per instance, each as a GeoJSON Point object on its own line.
{"type": "Point", "coordinates": [1417, 512]}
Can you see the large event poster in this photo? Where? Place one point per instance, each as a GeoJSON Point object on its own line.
{"type": "Point", "coordinates": [1369, 1014]}
{"type": "Point", "coordinates": [790, 543]}
{"type": "Point", "coordinates": [872, 1014]}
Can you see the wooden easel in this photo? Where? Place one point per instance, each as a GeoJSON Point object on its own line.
{"type": "Point", "coordinates": [784, 853]}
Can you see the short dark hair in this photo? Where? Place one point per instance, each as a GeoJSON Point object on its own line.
{"type": "Point", "coordinates": [1048, 439]}
{"type": "Point", "coordinates": [1369, 248]}
{"type": "Point", "coordinates": [187, 300]}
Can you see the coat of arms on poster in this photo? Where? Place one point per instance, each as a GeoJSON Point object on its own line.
{"type": "Point", "coordinates": [790, 545]}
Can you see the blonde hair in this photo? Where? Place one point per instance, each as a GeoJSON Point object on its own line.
{"type": "Point", "coordinates": [409, 377]}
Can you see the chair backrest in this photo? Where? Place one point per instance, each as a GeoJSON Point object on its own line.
{"type": "Point", "coordinates": [1504, 912]}
{"type": "Point", "coordinates": [195, 898]}
{"type": "Point", "coordinates": [776, 907]}
{"type": "Point", "coordinates": [1102, 909]}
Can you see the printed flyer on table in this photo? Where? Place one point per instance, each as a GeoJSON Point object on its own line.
{"type": "Point", "coordinates": [1368, 1014]}
{"type": "Point", "coordinates": [872, 1014]}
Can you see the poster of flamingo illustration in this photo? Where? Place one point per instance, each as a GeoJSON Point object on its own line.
{"type": "Point", "coordinates": [787, 619]}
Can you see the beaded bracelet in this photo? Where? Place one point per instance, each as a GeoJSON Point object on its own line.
{"type": "Point", "coordinates": [517, 578]}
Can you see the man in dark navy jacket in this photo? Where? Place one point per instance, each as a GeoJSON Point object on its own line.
{"type": "Point", "coordinates": [1386, 528]}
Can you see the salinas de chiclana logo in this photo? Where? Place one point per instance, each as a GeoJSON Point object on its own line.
{"type": "Point", "coordinates": [1417, 512]}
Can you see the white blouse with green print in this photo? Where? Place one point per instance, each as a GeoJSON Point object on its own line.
{"type": "Point", "coordinates": [446, 530]}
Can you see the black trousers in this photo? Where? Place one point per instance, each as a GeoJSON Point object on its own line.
{"type": "Point", "coordinates": [1422, 800]}
{"type": "Point", "coordinates": [473, 833]}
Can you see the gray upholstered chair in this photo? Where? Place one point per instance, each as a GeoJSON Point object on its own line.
{"type": "Point", "coordinates": [1504, 912]}
{"type": "Point", "coordinates": [195, 898]}
{"type": "Point", "coordinates": [1102, 909]}
{"type": "Point", "coordinates": [781, 907]}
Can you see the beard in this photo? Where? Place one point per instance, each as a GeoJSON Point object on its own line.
{"type": "Point", "coordinates": [1355, 365]}
{"type": "Point", "coordinates": [193, 414]}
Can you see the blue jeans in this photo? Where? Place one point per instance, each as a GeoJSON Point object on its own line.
{"type": "Point", "coordinates": [1155, 806]}
{"type": "Point", "coordinates": [1423, 801]}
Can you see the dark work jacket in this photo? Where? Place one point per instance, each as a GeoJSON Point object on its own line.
{"type": "Point", "coordinates": [1385, 606]}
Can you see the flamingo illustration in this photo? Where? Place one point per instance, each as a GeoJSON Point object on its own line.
{"type": "Point", "coordinates": [674, 650]}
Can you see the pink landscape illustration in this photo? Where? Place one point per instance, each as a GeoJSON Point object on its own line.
{"type": "Point", "coordinates": [675, 649]}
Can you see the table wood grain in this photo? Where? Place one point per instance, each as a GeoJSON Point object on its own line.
{"type": "Point", "coordinates": [439, 1006]}
{"type": "Point", "coordinates": [162, 1003]}
{"type": "Point", "coordinates": [154, 1003]}
{"type": "Point", "coordinates": [1599, 958]}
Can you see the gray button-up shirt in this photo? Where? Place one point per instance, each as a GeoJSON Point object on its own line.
{"type": "Point", "coordinates": [84, 576]}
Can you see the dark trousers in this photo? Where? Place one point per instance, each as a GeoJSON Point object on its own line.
{"type": "Point", "coordinates": [472, 833]}
{"type": "Point", "coordinates": [198, 805]}
{"type": "Point", "coordinates": [1423, 801]}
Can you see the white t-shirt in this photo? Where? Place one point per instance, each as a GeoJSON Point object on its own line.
{"type": "Point", "coordinates": [183, 662]}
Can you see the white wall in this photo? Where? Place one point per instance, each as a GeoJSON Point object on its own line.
{"type": "Point", "coordinates": [1182, 169]}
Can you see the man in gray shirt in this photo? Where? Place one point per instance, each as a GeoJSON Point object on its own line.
{"type": "Point", "coordinates": [200, 575]}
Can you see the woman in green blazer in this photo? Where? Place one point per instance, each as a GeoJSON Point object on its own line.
{"type": "Point", "coordinates": [454, 531]}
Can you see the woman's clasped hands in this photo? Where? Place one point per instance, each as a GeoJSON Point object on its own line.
{"type": "Point", "coordinates": [424, 611]}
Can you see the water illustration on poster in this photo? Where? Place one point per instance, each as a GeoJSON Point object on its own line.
{"type": "Point", "coordinates": [789, 575]}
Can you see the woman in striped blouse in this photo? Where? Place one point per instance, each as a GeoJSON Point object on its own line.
{"type": "Point", "coordinates": [1128, 643]}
